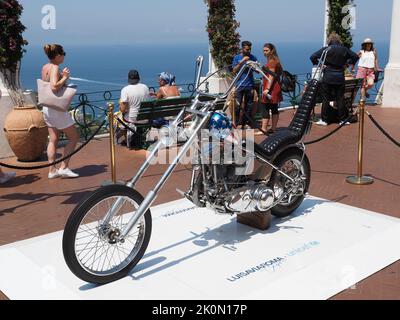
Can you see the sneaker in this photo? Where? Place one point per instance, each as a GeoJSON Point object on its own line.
{"type": "Point", "coordinates": [343, 123]}
{"type": "Point", "coordinates": [67, 173]}
{"type": "Point", "coordinates": [321, 123]}
{"type": "Point", "coordinates": [54, 174]}
{"type": "Point", "coordinates": [7, 177]}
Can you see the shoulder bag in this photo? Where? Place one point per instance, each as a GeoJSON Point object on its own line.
{"type": "Point", "coordinates": [59, 100]}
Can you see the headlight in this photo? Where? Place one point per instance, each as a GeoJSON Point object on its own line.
{"type": "Point", "coordinates": [220, 125]}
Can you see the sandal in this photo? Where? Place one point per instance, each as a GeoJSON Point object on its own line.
{"type": "Point", "coordinates": [270, 131]}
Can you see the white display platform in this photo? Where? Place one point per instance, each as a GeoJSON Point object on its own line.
{"type": "Point", "coordinates": [322, 250]}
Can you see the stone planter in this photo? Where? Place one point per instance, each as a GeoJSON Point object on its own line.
{"type": "Point", "coordinates": [26, 133]}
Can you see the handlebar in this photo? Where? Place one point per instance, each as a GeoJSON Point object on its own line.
{"type": "Point", "coordinates": [255, 66]}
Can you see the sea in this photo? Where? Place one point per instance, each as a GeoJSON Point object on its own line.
{"type": "Point", "coordinates": [105, 68]}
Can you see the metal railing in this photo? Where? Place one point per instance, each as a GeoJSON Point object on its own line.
{"type": "Point", "coordinates": [292, 98]}
{"type": "Point", "coordinates": [89, 108]}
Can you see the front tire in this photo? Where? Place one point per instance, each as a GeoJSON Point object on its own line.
{"type": "Point", "coordinates": [292, 163]}
{"type": "Point", "coordinates": [91, 248]}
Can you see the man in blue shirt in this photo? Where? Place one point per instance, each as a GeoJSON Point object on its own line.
{"type": "Point", "coordinates": [245, 84]}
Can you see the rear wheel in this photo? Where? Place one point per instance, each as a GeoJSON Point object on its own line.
{"type": "Point", "coordinates": [292, 194]}
{"type": "Point", "coordinates": [92, 248]}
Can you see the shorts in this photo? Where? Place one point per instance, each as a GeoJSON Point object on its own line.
{"type": "Point", "coordinates": [267, 107]}
{"type": "Point", "coordinates": [365, 73]}
{"type": "Point", "coordinates": [57, 119]}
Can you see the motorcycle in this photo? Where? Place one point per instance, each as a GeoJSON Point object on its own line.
{"type": "Point", "coordinates": [108, 233]}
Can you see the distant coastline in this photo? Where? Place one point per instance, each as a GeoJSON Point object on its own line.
{"type": "Point", "coordinates": [110, 64]}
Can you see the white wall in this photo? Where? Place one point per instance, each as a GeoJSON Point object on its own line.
{"type": "Point", "coordinates": [391, 93]}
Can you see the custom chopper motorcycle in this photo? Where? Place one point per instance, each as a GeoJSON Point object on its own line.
{"type": "Point", "coordinates": [108, 233]}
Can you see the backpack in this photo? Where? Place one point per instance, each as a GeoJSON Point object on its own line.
{"type": "Point", "coordinates": [288, 82]}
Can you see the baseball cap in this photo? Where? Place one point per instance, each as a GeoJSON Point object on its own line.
{"type": "Point", "coordinates": [133, 77]}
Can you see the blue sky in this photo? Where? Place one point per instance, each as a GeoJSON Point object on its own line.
{"type": "Point", "coordinates": [183, 21]}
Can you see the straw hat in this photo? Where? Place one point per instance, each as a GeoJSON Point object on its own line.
{"type": "Point", "coordinates": [368, 40]}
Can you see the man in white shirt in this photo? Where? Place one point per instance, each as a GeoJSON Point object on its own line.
{"type": "Point", "coordinates": [132, 96]}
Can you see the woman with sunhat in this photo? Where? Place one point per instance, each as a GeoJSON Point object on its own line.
{"type": "Point", "coordinates": [367, 66]}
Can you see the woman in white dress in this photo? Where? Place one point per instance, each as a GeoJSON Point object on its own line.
{"type": "Point", "coordinates": [58, 121]}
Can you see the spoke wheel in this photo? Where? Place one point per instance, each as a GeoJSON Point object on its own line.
{"type": "Point", "coordinates": [291, 193]}
{"type": "Point", "coordinates": [93, 248]}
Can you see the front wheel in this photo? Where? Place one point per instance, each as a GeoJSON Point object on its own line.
{"type": "Point", "coordinates": [92, 247]}
{"type": "Point", "coordinates": [291, 194]}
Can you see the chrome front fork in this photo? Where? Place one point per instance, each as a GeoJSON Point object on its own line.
{"type": "Point", "coordinates": [120, 202]}
{"type": "Point", "coordinates": [151, 196]}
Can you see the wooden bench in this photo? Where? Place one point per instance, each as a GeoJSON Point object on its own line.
{"type": "Point", "coordinates": [154, 109]}
{"type": "Point", "coordinates": [351, 90]}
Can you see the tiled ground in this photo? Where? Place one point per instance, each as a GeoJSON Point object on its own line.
{"type": "Point", "coordinates": [31, 205]}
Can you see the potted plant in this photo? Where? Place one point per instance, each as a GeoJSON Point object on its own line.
{"type": "Point", "coordinates": [24, 126]}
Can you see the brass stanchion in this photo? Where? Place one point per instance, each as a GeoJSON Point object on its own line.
{"type": "Point", "coordinates": [359, 179]}
{"type": "Point", "coordinates": [233, 106]}
{"type": "Point", "coordinates": [112, 142]}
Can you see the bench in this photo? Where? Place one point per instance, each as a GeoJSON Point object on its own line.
{"type": "Point", "coordinates": [352, 87]}
{"type": "Point", "coordinates": [351, 90]}
{"type": "Point", "coordinates": [154, 109]}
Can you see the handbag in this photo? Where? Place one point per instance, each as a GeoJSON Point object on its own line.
{"type": "Point", "coordinates": [59, 100]}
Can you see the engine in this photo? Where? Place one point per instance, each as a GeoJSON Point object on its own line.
{"type": "Point", "coordinates": [257, 198]}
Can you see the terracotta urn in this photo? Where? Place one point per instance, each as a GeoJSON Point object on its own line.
{"type": "Point", "coordinates": [26, 132]}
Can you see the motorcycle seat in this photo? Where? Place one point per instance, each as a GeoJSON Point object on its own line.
{"type": "Point", "coordinates": [280, 139]}
{"type": "Point", "coordinates": [298, 127]}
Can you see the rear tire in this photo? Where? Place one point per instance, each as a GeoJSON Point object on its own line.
{"type": "Point", "coordinates": [87, 224]}
{"type": "Point", "coordinates": [291, 163]}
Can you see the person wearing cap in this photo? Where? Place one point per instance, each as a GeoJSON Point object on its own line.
{"type": "Point", "coordinates": [367, 66]}
{"type": "Point", "coordinates": [168, 89]}
{"type": "Point", "coordinates": [132, 96]}
{"type": "Point", "coordinates": [333, 82]}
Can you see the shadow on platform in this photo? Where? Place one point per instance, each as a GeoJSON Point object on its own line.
{"type": "Point", "coordinates": [227, 236]}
